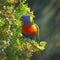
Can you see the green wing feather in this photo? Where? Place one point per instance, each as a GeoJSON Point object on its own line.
{"type": "Point", "coordinates": [37, 36]}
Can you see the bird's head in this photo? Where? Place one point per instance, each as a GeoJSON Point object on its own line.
{"type": "Point", "coordinates": [26, 19]}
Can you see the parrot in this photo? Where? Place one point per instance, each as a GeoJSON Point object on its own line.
{"type": "Point", "coordinates": [29, 28]}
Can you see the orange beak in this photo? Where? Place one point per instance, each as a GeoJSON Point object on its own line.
{"type": "Point", "coordinates": [21, 19]}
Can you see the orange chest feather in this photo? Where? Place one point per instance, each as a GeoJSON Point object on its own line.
{"type": "Point", "coordinates": [29, 29]}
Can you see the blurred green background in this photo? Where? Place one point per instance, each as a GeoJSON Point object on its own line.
{"type": "Point", "coordinates": [47, 16]}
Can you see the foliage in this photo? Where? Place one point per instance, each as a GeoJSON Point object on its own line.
{"type": "Point", "coordinates": [12, 45]}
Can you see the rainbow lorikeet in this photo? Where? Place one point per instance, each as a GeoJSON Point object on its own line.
{"type": "Point", "coordinates": [29, 28]}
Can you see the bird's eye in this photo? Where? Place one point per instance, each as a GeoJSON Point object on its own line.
{"type": "Point", "coordinates": [21, 19]}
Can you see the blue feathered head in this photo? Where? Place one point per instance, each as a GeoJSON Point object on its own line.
{"type": "Point", "coordinates": [25, 18]}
